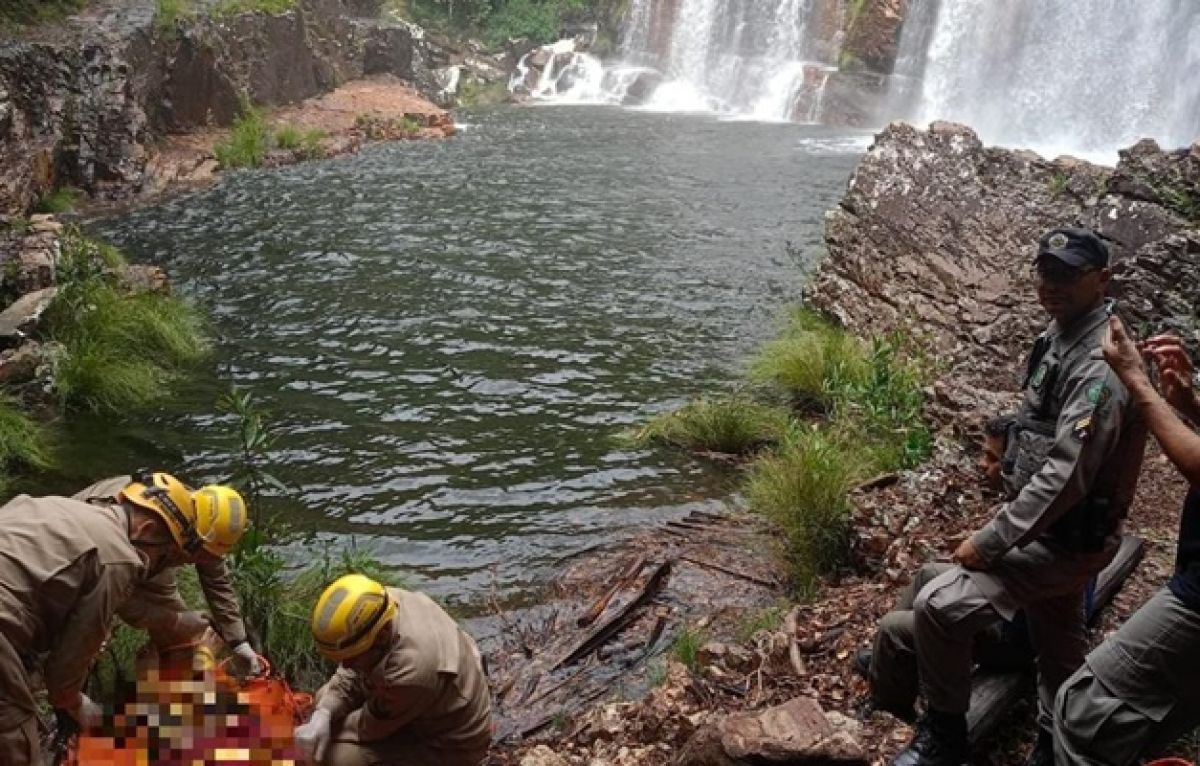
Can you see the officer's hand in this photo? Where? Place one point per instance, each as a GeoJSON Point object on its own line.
{"type": "Point", "coordinates": [966, 556]}
{"type": "Point", "coordinates": [86, 713]}
{"type": "Point", "coordinates": [1121, 352]}
{"type": "Point", "coordinates": [248, 658]}
{"type": "Point", "coordinates": [1175, 370]}
{"type": "Point", "coordinates": [313, 738]}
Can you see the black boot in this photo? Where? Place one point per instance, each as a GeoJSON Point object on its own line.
{"type": "Point", "coordinates": [941, 740]}
{"type": "Point", "coordinates": [861, 662]}
{"type": "Point", "coordinates": [1043, 751]}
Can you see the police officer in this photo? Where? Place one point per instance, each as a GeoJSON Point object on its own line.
{"type": "Point", "coordinates": [1081, 443]}
{"type": "Point", "coordinates": [890, 665]}
{"type": "Point", "coordinates": [1140, 689]}
{"type": "Point", "coordinates": [411, 687]}
{"type": "Point", "coordinates": [65, 569]}
{"type": "Point", "coordinates": [156, 605]}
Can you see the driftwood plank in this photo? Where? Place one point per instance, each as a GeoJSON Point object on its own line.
{"type": "Point", "coordinates": [992, 694]}
{"type": "Point", "coordinates": [619, 620]}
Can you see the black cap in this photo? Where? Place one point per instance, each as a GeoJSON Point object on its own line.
{"type": "Point", "coordinates": [1079, 248]}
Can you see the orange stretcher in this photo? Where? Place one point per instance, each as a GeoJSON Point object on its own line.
{"type": "Point", "coordinates": [192, 712]}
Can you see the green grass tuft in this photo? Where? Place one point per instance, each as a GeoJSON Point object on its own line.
{"type": "Point", "coordinates": [19, 13]}
{"type": "Point", "coordinates": [288, 137]}
{"type": "Point", "coordinates": [686, 647]}
{"type": "Point", "coordinates": [235, 7]}
{"type": "Point", "coordinates": [22, 439]}
{"type": "Point", "coordinates": [168, 13]}
{"type": "Point", "coordinates": [732, 425]}
{"type": "Point", "coordinates": [811, 361]}
{"type": "Point", "coordinates": [755, 621]}
{"type": "Point", "coordinates": [61, 200]}
{"type": "Point", "coordinates": [119, 351]}
{"type": "Point", "coordinates": [249, 140]}
{"type": "Point", "coordinates": [803, 490]}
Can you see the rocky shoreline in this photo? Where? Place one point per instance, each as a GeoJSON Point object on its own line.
{"type": "Point", "coordinates": [933, 238]}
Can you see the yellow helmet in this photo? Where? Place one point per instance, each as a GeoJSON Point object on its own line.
{"type": "Point", "coordinates": [349, 615]}
{"type": "Point", "coordinates": [221, 517]}
{"type": "Point", "coordinates": [212, 518]}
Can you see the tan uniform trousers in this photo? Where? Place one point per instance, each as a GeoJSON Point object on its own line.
{"type": "Point", "coordinates": [959, 604]}
{"type": "Point", "coordinates": [1138, 691]}
{"type": "Point", "coordinates": [19, 741]}
{"type": "Point", "coordinates": [894, 677]}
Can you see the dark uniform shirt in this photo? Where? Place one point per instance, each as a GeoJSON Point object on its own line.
{"type": "Point", "coordinates": [1186, 582]}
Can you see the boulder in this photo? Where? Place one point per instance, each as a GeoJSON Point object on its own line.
{"type": "Point", "coordinates": [20, 365]}
{"type": "Point", "coordinates": [19, 320]}
{"type": "Point", "coordinates": [796, 732]}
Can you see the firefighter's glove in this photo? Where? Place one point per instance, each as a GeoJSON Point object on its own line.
{"type": "Point", "coordinates": [313, 738]}
{"type": "Point", "coordinates": [86, 713]}
{"type": "Point", "coordinates": [248, 658]}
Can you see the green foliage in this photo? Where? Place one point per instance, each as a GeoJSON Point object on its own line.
{"type": "Point", "coordinates": [28, 12]}
{"type": "Point", "coordinates": [234, 7]}
{"type": "Point", "coordinates": [61, 200]}
{"type": "Point", "coordinates": [22, 439]}
{"type": "Point", "coordinates": [812, 361]}
{"type": "Point", "coordinates": [498, 20]}
{"type": "Point", "coordinates": [249, 140]}
{"type": "Point", "coordinates": [310, 143]}
{"type": "Point", "coordinates": [1184, 201]}
{"type": "Point", "coordinates": [803, 488]}
{"type": "Point", "coordinates": [410, 125]}
{"type": "Point", "coordinates": [288, 137]}
{"type": "Point", "coordinates": [686, 647]}
{"type": "Point", "coordinates": [733, 425]}
{"type": "Point", "coordinates": [118, 350]}
{"type": "Point", "coordinates": [473, 92]}
{"type": "Point", "coordinates": [1060, 184]}
{"type": "Point", "coordinates": [167, 13]}
{"type": "Point", "coordinates": [762, 619]}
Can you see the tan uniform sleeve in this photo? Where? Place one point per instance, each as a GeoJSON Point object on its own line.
{"type": "Point", "coordinates": [392, 708]}
{"type": "Point", "coordinates": [342, 695]}
{"type": "Point", "coordinates": [86, 629]}
{"type": "Point", "coordinates": [154, 604]}
{"type": "Point", "coordinates": [1088, 428]}
{"type": "Point", "coordinates": [222, 601]}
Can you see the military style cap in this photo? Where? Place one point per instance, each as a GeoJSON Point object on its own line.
{"type": "Point", "coordinates": [1078, 248]}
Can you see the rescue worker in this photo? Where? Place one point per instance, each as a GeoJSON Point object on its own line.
{"type": "Point", "coordinates": [65, 569]}
{"type": "Point", "coordinates": [411, 687]}
{"type": "Point", "coordinates": [1081, 443]}
{"type": "Point", "coordinates": [1140, 689]}
{"type": "Point", "coordinates": [156, 605]}
{"type": "Point", "coordinates": [891, 664]}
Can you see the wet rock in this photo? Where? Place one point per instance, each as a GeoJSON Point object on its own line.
{"type": "Point", "coordinates": [797, 732]}
{"type": "Point", "coordinates": [873, 36]}
{"type": "Point", "coordinates": [642, 88]}
{"type": "Point", "coordinates": [20, 365]}
{"type": "Point", "coordinates": [19, 320]}
{"type": "Point", "coordinates": [142, 277]}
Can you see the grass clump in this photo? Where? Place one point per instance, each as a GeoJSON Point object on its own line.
{"type": "Point", "coordinates": [1060, 184]}
{"type": "Point", "coordinates": [756, 621]}
{"type": "Point", "coordinates": [733, 425]}
{"type": "Point", "coordinates": [168, 13]}
{"type": "Point", "coordinates": [249, 140]}
{"type": "Point", "coordinates": [22, 439]}
{"type": "Point", "coordinates": [118, 350]}
{"type": "Point", "coordinates": [61, 200]}
{"type": "Point", "coordinates": [235, 7]}
{"type": "Point", "coordinates": [856, 412]}
{"type": "Point", "coordinates": [686, 647]}
{"type": "Point", "coordinates": [20, 13]}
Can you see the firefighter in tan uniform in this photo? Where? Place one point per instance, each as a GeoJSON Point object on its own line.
{"type": "Point", "coordinates": [66, 567]}
{"type": "Point", "coordinates": [156, 605]}
{"type": "Point", "coordinates": [411, 687]}
{"type": "Point", "coordinates": [1081, 441]}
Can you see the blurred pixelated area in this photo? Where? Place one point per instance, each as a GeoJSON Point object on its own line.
{"type": "Point", "coordinates": [185, 709]}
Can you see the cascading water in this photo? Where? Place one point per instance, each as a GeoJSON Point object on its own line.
{"type": "Point", "coordinates": [1080, 76]}
{"type": "Point", "coordinates": [750, 58]}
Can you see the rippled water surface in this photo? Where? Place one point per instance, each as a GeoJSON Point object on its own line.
{"type": "Point", "coordinates": [450, 335]}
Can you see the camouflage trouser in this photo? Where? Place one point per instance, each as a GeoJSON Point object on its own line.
{"type": "Point", "coordinates": [894, 676]}
{"type": "Point", "coordinates": [1138, 690]}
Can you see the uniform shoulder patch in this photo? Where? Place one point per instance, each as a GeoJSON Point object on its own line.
{"type": "Point", "coordinates": [1082, 429]}
{"type": "Point", "coordinates": [1098, 395]}
{"type": "Point", "coordinates": [1039, 375]}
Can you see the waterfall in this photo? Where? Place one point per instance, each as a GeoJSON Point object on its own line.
{"type": "Point", "coordinates": [748, 58]}
{"type": "Point", "coordinates": [1079, 76]}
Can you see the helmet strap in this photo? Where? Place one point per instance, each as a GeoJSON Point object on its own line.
{"type": "Point", "coordinates": [191, 538]}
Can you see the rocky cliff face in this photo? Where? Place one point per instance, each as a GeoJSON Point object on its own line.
{"type": "Point", "coordinates": [83, 109]}
{"type": "Point", "coordinates": [936, 236]}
